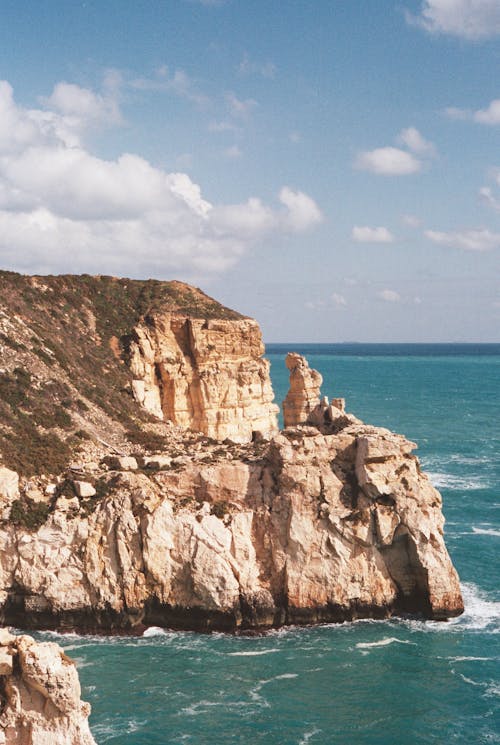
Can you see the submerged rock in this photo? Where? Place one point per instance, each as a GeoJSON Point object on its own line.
{"type": "Point", "coordinates": [40, 703]}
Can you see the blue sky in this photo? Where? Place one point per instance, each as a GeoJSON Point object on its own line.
{"type": "Point", "coordinates": [330, 168]}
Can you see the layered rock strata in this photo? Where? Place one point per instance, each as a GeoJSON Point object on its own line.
{"type": "Point", "coordinates": [304, 393]}
{"type": "Point", "coordinates": [205, 375]}
{"type": "Point", "coordinates": [319, 524]}
{"type": "Point", "coordinates": [40, 695]}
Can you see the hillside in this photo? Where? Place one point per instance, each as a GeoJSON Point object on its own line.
{"type": "Point", "coordinates": [64, 381]}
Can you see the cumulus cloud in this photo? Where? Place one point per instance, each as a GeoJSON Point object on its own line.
{"type": "Point", "coordinates": [388, 161]}
{"type": "Point", "coordinates": [389, 296]}
{"type": "Point", "coordinates": [414, 141]}
{"type": "Point", "coordinates": [64, 209]}
{"type": "Point", "coordinates": [467, 19]}
{"type": "Point", "coordinates": [302, 212]}
{"type": "Point", "coordinates": [467, 240]}
{"type": "Point", "coordinates": [371, 235]}
{"type": "Point", "coordinates": [489, 116]}
{"type": "Point", "coordinates": [393, 161]}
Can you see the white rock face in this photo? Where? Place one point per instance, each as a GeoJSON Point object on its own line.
{"type": "Point", "coordinates": [9, 490]}
{"type": "Point", "coordinates": [204, 375]}
{"type": "Point", "coordinates": [304, 393]}
{"type": "Point", "coordinates": [42, 704]}
{"type": "Point", "coordinates": [315, 527]}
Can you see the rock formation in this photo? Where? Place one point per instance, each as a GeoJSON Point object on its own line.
{"type": "Point", "coordinates": [113, 519]}
{"type": "Point", "coordinates": [304, 393]}
{"type": "Point", "coordinates": [39, 695]}
{"type": "Point", "coordinates": [205, 375]}
{"type": "Point", "coordinates": [308, 527]}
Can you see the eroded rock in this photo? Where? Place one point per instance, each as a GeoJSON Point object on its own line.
{"type": "Point", "coordinates": [41, 695]}
{"type": "Point", "coordinates": [205, 375]}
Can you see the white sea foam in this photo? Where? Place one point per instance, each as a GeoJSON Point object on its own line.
{"type": "Point", "coordinates": [255, 653]}
{"type": "Point", "coordinates": [443, 480]}
{"type": "Point", "coordinates": [383, 643]}
{"type": "Point", "coordinates": [154, 631]}
{"type": "Point", "coordinates": [306, 737]}
{"type": "Point", "coordinates": [486, 531]}
{"type": "Point", "coordinates": [481, 613]}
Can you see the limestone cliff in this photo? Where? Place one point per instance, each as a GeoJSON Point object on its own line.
{"type": "Point", "coordinates": [205, 375]}
{"type": "Point", "coordinates": [304, 393]}
{"type": "Point", "coordinates": [308, 527]}
{"type": "Point", "coordinates": [40, 695]}
{"type": "Point", "coordinates": [111, 518]}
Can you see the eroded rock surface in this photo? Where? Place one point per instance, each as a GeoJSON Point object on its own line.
{"type": "Point", "coordinates": [311, 526]}
{"type": "Point", "coordinates": [304, 393]}
{"type": "Point", "coordinates": [205, 375]}
{"type": "Point", "coordinates": [40, 695]}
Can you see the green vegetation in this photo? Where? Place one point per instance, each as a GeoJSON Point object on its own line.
{"type": "Point", "coordinates": [29, 514]}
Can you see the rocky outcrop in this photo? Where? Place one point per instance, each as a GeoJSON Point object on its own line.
{"type": "Point", "coordinates": [304, 393]}
{"type": "Point", "coordinates": [205, 375]}
{"type": "Point", "coordinates": [39, 695]}
{"type": "Point", "coordinates": [312, 526]}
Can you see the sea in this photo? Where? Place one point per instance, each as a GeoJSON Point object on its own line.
{"type": "Point", "coordinates": [396, 682]}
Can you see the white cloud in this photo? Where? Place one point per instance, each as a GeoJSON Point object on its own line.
{"type": "Point", "coordinates": [339, 299]}
{"type": "Point", "coordinates": [414, 141]}
{"type": "Point", "coordinates": [83, 104]}
{"type": "Point", "coordinates": [294, 137]}
{"type": "Point", "coordinates": [412, 221]}
{"type": "Point", "coordinates": [466, 19]}
{"type": "Point", "coordinates": [64, 209]}
{"type": "Point", "coordinates": [452, 112]}
{"type": "Point", "coordinates": [468, 240]}
{"type": "Point", "coordinates": [240, 108]}
{"type": "Point", "coordinates": [302, 211]}
{"type": "Point", "coordinates": [387, 161]}
{"type": "Point", "coordinates": [389, 296]}
{"type": "Point", "coordinates": [489, 116]}
{"type": "Point", "coordinates": [179, 83]}
{"type": "Point", "coordinates": [372, 235]}
{"type": "Point", "coordinates": [487, 196]}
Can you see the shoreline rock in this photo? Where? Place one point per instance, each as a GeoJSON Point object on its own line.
{"type": "Point", "coordinates": [40, 695]}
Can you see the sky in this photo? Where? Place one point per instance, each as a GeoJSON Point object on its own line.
{"type": "Point", "coordinates": [329, 168]}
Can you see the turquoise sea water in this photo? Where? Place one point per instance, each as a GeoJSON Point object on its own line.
{"type": "Point", "coordinates": [363, 683]}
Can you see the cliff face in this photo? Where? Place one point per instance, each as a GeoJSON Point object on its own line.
{"type": "Point", "coordinates": [40, 695]}
{"type": "Point", "coordinates": [309, 527]}
{"type": "Point", "coordinates": [111, 518]}
{"type": "Point", "coordinates": [205, 375]}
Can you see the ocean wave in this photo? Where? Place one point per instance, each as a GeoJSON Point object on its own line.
{"type": "Point", "coordinates": [383, 643]}
{"type": "Point", "coordinates": [481, 612]}
{"type": "Point", "coordinates": [254, 653]}
{"type": "Point", "coordinates": [486, 531]}
{"type": "Point", "coordinates": [306, 737]}
{"type": "Point", "coordinates": [442, 480]}
{"type": "Point", "coordinates": [153, 631]}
